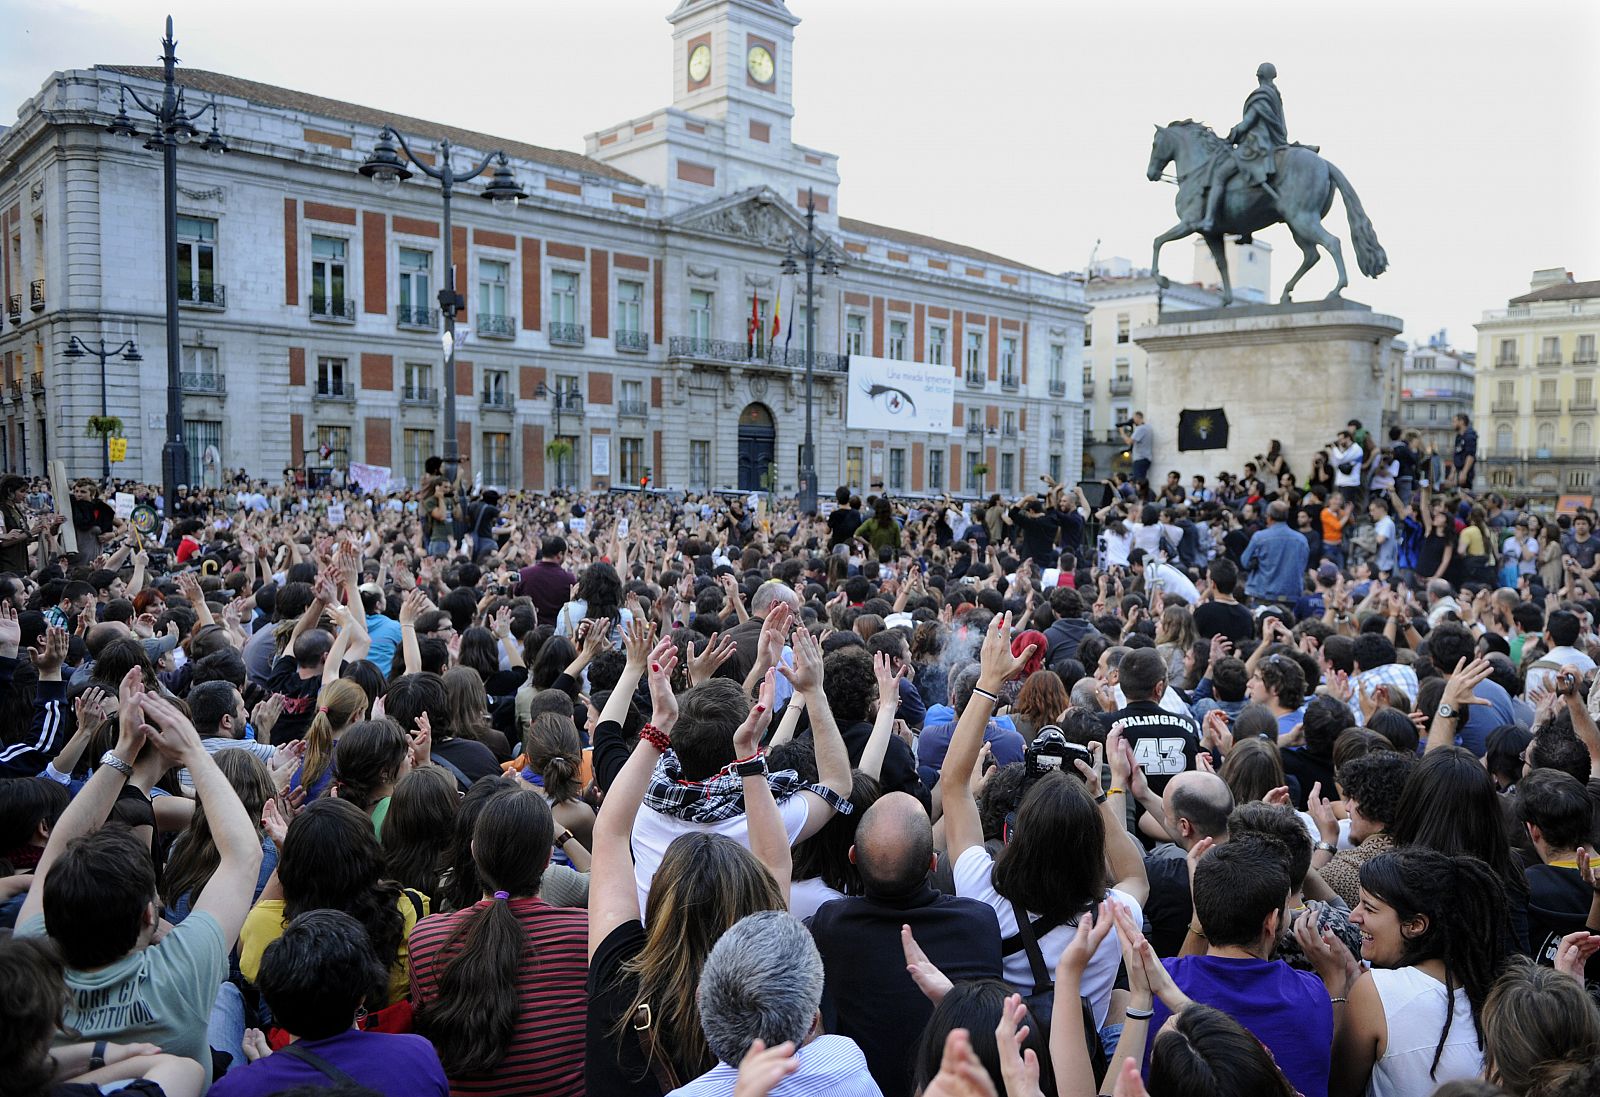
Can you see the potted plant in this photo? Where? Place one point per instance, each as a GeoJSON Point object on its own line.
{"type": "Point", "coordinates": [769, 478]}
{"type": "Point", "coordinates": [980, 470]}
{"type": "Point", "coordinates": [104, 427]}
{"type": "Point", "coordinates": [556, 452]}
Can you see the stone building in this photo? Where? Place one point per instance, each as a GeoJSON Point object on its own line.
{"type": "Point", "coordinates": [1535, 395]}
{"type": "Point", "coordinates": [1436, 384]}
{"type": "Point", "coordinates": [618, 323]}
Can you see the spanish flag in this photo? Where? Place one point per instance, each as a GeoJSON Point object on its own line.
{"type": "Point", "coordinates": [777, 326]}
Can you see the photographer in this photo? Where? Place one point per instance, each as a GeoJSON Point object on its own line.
{"type": "Point", "coordinates": [1141, 444]}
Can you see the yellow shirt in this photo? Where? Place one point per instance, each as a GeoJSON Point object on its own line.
{"type": "Point", "coordinates": [1471, 543]}
{"type": "Point", "coordinates": [264, 925]}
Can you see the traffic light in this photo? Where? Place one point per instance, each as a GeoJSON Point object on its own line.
{"type": "Point", "coordinates": [644, 481]}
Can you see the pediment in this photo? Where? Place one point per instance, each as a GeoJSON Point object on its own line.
{"type": "Point", "coordinates": [756, 216]}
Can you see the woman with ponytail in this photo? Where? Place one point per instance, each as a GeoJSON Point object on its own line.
{"type": "Point", "coordinates": [340, 704]}
{"type": "Point", "coordinates": [554, 755]}
{"type": "Point", "coordinates": [1432, 928]}
{"type": "Point", "coordinates": [499, 986]}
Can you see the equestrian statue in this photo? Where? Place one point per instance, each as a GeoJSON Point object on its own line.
{"type": "Point", "coordinates": [1256, 178]}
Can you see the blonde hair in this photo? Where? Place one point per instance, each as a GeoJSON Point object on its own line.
{"type": "Point", "coordinates": [339, 705]}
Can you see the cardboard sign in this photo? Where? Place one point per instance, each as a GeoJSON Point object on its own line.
{"type": "Point", "coordinates": [118, 450]}
{"type": "Point", "coordinates": [622, 527]}
{"type": "Point", "coordinates": [122, 504]}
{"type": "Point", "coordinates": [578, 525]}
{"type": "Point", "coordinates": [335, 514]}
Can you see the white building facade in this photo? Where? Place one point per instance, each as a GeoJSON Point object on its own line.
{"type": "Point", "coordinates": [608, 320]}
{"type": "Point", "coordinates": [1437, 383]}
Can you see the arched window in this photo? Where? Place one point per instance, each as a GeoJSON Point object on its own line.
{"type": "Point", "coordinates": [1547, 435]}
{"type": "Point", "coordinates": [1582, 439]}
{"type": "Point", "coordinates": [1502, 438]}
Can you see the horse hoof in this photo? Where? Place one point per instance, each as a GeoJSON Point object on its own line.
{"type": "Point", "coordinates": [1285, 300]}
{"type": "Point", "coordinates": [1336, 295]}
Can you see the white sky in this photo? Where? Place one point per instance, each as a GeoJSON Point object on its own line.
{"type": "Point", "coordinates": [1018, 126]}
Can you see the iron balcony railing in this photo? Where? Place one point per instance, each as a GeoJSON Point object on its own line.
{"type": "Point", "coordinates": [974, 428]}
{"type": "Point", "coordinates": [497, 400]}
{"type": "Point", "coordinates": [1546, 407]}
{"type": "Point", "coordinates": [1585, 358]}
{"type": "Point", "coordinates": [1088, 386]}
{"type": "Point", "coordinates": [36, 294]}
{"type": "Point", "coordinates": [633, 409]}
{"type": "Point", "coordinates": [1008, 432]}
{"type": "Point", "coordinates": [14, 307]}
{"type": "Point", "coordinates": [342, 309]}
{"type": "Point", "coordinates": [1550, 359]}
{"type": "Point", "coordinates": [636, 341]}
{"type": "Point", "coordinates": [1506, 360]}
{"type": "Point", "coordinates": [1057, 437]}
{"type": "Point", "coordinates": [1503, 406]}
{"type": "Point", "coordinates": [336, 390]}
{"type": "Point", "coordinates": [202, 295]}
{"type": "Point", "coordinates": [565, 335]}
{"type": "Point", "coordinates": [1059, 388]}
{"type": "Point", "coordinates": [418, 394]}
{"type": "Point", "coordinates": [1582, 404]}
{"type": "Point", "coordinates": [1010, 381]}
{"type": "Point", "coordinates": [203, 382]}
{"type": "Point", "coordinates": [1121, 386]}
{"type": "Point", "coordinates": [568, 403]}
{"type": "Point", "coordinates": [417, 316]}
{"type": "Point", "coordinates": [737, 353]}
{"type": "Point", "coordinates": [975, 379]}
{"type": "Point", "coordinates": [492, 326]}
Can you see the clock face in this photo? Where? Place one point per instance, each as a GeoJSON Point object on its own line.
{"type": "Point", "coordinates": [700, 62]}
{"type": "Point", "coordinates": [760, 63]}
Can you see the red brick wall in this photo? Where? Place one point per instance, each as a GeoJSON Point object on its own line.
{"type": "Point", "coordinates": [599, 293]}
{"type": "Point", "coordinates": [377, 374]}
{"type": "Point", "coordinates": [532, 292]}
{"type": "Point", "coordinates": [379, 434]}
{"type": "Point", "coordinates": [564, 251]}
{"type": "Point", "coordinates": [958, 353]}
{"type": "Point", "coordinates": [374, 263]}
{"type": "Point", "coordinates": [489, 239]}
{"type": "Point", "coordinates": [1024, 355]}
{"type": "Point", "coordinates": [458, 250]}
{"type": "Point", "coordinates": [599, 387]}
{"type": "Point", "coordinates": [413, 226]}
{"type": "Point", "coordinates": [919, 321]}
{"type": "Point", "coordinates": [630, 262]}
{"type": "Point", "coordinates": [919, 465]}
{"type": "Point", "coordinates": [992, 477]}
{"type": "Point", "coordinates": [529, 378]}
{"type": "Point", "coordinates": [297, 367]}
{"type": "Point", "coordinates": [656, 291]}
{"type": "Point", "coordinates": [291, 252]}
{"type": "Point", "coordinates": [994, 347]}
{"type": "Point", "coordinates": [532, 456]}
{"type": "Point", "coordinates": [877, 327]}
{"type": "Point", "coordinates": [655, 392]}
{"type": "Point", "coordinates": [955, 473]}
{"type": "Point", "coordinates": [655, 445]}
{"type": "Point", "coordinates": [464, 439]}
{"type": "Point", "coordinates": [463, 377]}
{"type": "Point", "coordinates": [297, 439]}
{"type": "Point", "coordinates": [321, 211]}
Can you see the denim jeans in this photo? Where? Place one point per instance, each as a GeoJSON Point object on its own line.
{"type": "Point", "coordinates": [225, 1029]}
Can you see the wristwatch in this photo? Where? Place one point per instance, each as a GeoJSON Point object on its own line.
{"type": "Point", "coordinates": [97, 1056]}
{"type": "Point", "coordinates": [1447, 712]}
{"type": "Point", "coordinates": [109, 758]}
{"type": "Point", "coordinates": [1325, 847]}
{"type": "Point", "coordinates": [563, 838]}
{"type": "Point", "coordinates": [752, 767]}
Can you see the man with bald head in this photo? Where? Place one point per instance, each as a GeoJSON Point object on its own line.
{"type": "Point", "coordinates": [867, 993]}
{"type": "Point", "coordinates": [1193, 806]}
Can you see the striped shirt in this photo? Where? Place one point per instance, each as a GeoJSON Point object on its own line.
{"type": "Point", "coordinates": [830, 1065]}
{"type": "Point", "coordinates": [545, 1056]}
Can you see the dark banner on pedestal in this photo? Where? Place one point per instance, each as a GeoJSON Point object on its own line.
{"type": "Point", "coordinates": [1203, 428]}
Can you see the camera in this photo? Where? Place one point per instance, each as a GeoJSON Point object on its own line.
{"type": "Point", "coordinates": [1050, 751]}
{"type": "Point", "coordinates": [1125, 424]}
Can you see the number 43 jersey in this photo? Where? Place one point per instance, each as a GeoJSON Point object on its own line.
{"type": "Point", "coordinates": [1164, 743]}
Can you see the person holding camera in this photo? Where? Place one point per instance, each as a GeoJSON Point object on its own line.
{"type": "Point", "coordinates": [1346, 456]}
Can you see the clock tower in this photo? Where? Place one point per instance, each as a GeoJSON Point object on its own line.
{"type": "Point", "coordinates": [729, 126]}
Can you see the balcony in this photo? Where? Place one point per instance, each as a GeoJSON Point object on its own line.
{"type": "Point", "coordinates": [420, 395]}
{"type": "Point", "coordinates": [15, 387]}
{"type": "Point", "coordinates": [36, 383]}
{"type": "Point", "coordinates": [1010, 382]}
{"type": "Point", "coordinates": [338, 391]}
{"type": "Point", "coordinates": [1088, 386]}
{"type": "Point", "coordinates": [1009, 432]}
{"type": "Point", "coordinates": [338, 310]}
{"type": "Point", "coordinates": [634, 342]}
{"type": "Point", "coordinates": [632, 409]}
{"type": "Point", "coordinates": [565, 335]}
{"type": "Point", "coordinates": [202, 295]}
{"type": "Point", "coordinates": [975, 379]}
{"type": "Point", "coordinates": [1550, 359]}
{"type": "Point", "coordinates": [499, 400]}
{"type": "Point", "coordinates": [36, 295]}
{"type": "Point", "coordinates": [1504, 407]}
{"type": "Point", "coordinates": [567, 403]}
{"type": "Point", "coordinates": [14, 308]}
{"type": "Point", "coordinates": [1546, 407]}
{"type": "Point", "coordinates": [1506, 361]}
{"type": "Point", "coordinates": [414, 316]}
{"type": "Point", "coordinates": [1587, 404]}
{"type": "Point", "coordinates": [491, 326]}
{"type": "Point", "coordinates": [203, 384]}
{"type": "Point", "coordinates": [1058, 388]}
{"type": "Point", "coordinates": [1121, 386]}
{"type": "Point", "coordinates": [974, 429]}
{"type": "Point", "coordinates": [1585, 358]}
{"type": "Point", "coordinates": [1058, 436]}
{"type": "Point", "coordinates": [730, 352]}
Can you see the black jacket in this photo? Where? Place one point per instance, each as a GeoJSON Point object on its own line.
{"type": "Point", "coordinates": [1063, 637]}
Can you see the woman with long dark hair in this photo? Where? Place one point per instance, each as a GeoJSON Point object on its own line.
{"type": "Point", "coordinates": [555, 755]}
{"type": "Point", "coordinates": [416, 835]}
{"type": "Point", "coordinates": [499, 986]}
{"type": "Point", "coordinates": [373, 756]}
{"type": "Point", "coordinates": [329, 859]}
{"type": "Point", "coordinates": [1431, 927]}
{"type": "Point", "coordinates": [194, 855]}
{"type": "Point", "coordinates": [1450, 804]}
{"type": "Point", "coordinates": [599, 596]}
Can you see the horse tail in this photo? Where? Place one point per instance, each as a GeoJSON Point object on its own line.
{"type": "Point", "coordinates": [1370, 256]}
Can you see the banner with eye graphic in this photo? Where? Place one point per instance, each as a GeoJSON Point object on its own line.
{"type": "Point", "coordinates": [887, 394]}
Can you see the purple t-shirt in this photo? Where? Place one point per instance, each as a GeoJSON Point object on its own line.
{"type": "Point", "coordinates": [394, 1065]}
{"type": "Point", "coordinates": [1287, 1010]}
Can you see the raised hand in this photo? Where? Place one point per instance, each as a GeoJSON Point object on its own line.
{"type": "Point", "coordinates": [51, 652]}
{"type": "Point", "coordinates": [747, 738]}
{"type": "Point", "coordinates": [996, 661]}
{"type": "Point", "coordinates": [663, 702]}
{"type": "Point", "coordinates": [1217, 735]}
{"type": "Point", "coordinates": [420, 739]}
{"type": "Point", "coordinates": [888, 680]}
{"type": "Point", "coordinates": [762, 1068]}
{"type": "Point", "coordinates": [1086, 939]}
{"type": "Point", "coordinates": [806, 674]}
{"type": "Point", "coordinates": [1321, 809]}
{"type": "Point", "coordinates": [169, 729]}
{"type": "Point", "coordinates": [1573, 954]}
{"type": "Point", "coordinates": [637, 640]}
{"type": "Point", "coordinates": [933, 983]}
{"type": "Point", "coordinates": [1463, 680]}
{"type": "Point", "coordinates": [1019, 1066]}
{"type": "Point", "coordinates": [712, 656]}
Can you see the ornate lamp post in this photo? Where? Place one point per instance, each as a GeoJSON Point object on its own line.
{"type": "Point", "coordinates": [174, 126]}
{"type": "Point", "coordinates": [811, 251]}
{"type": "Point", "coordinates": [77, 348]}
{"type": "Point", "coordinates": [386, 169]}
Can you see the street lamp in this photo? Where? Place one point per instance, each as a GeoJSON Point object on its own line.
{"type": "Point", "coordinates": [387, 170]}
{"type": "Point", "coordinates": [174, 126]}
{"type": "Point", "coordinates": [811, 252]}
{"type": "Point", "coordinates": [77, 348]}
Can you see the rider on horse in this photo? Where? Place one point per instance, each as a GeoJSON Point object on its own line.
{"type": "Point", "coordinates": [1255, 140]}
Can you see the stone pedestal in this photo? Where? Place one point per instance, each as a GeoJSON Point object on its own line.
{"type": "Point", "coordinates": [1296, 373]}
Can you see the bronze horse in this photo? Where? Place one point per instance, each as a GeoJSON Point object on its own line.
{"type": "Point", "coordinates": [1303, 184]}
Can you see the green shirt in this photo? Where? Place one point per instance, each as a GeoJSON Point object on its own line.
{"type": "Point", "coordinates": [159, 995]}
{"type": "Point", "coordinates": [379, 814]}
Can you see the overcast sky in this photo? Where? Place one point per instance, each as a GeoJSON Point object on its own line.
{"type": "Point", "coordinates": [1019, 126]}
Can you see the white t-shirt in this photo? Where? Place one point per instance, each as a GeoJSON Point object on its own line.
{"type": "Point", "coordinates": [1413, 1010]}
{"type": "Point", "coordinates": [1542, 675]}
{"type": "Point", "coordinates": [653, 832]}
{"type": "Point", "coordinates": [1171, 580]}
{"type": "Point", "coordinates": [973, 872]}
{"type": "Point", "coordinates": [1114, 549]}
{"type": "Point", "coordinates": [806, 896]}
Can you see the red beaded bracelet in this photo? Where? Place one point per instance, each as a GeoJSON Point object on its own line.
{"type": "Point", "coordinates": [655, 737]}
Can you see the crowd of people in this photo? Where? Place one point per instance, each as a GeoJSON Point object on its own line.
{"type": "Point", "coordinates": [1265, 786]}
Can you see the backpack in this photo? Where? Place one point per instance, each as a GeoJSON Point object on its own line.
{"type": "Point", "coordinates": [1041, 1001]}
